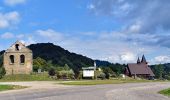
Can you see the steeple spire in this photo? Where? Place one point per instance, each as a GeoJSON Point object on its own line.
{"type": "Point", "coordinates": [143, 59]}
{"type": "Point", "coordinates": [138, 61]}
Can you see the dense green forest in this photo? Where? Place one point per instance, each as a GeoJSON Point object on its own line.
{"type": "Point", "coordinates": [161, 71]}
{"type": "Point", "coordinates": [116, 68]}
{"type": "Point", "coordinates": [59, 56]}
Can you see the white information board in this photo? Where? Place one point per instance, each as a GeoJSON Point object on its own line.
{"type": "Point", "coordinates": [88, 73]}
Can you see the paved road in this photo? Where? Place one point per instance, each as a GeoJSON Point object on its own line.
{"type": "Point", "coordinates": [129, 91]}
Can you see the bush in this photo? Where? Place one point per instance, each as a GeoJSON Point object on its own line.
{"type": "Point", "coordinates": [102, 76]}
{"type": "Point", "coordinates": [80, 75]}
{"type": "Point", "coordinates": [69, 74]}
{"type": "Point", "coordinates": [167, 77]}
{"type": "Point", "coordinates": [2, 72]}
{"type": "Point", "coordinates": [52, 72]}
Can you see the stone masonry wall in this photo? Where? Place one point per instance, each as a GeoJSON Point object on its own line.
{"type": "Point", "coordinates": [17, 67]}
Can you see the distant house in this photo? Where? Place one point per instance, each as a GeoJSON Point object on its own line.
{"type": "Point", "coordinates": [139, 69]}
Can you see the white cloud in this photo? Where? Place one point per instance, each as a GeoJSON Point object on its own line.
{"type": "Point", "coordinates": [162, 59]}
{"type": "Point", "coordinates": [29, 40]}
{"type": "Point", "coordinates": [22, 41]}
{"type": "Point", "coordinates": [128, 57]}
{"type": "Point", "coordinates": [111, 46]}
{"type": "Point", "coordinates": [7, 35]}
{"type": "Point", "coordinates": [9, 19]}
{"type": "Point", "coordinates": [14, 2]}
{"type": "Point", "coordinates": [50, 34]}
{"type": "Point", "coordinates": [20, 36]}
{"type": "Point", "coordinates": [135, 28]}
{"type": "Point", "coordinates": [125, 7]}
{"type": "Point", "coordinates": [91, 6]}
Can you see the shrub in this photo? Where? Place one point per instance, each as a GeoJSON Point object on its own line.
{"type": "Point", "coordinates": [80, 75]}
{"type": "Point", "coordinates": [69, 74]}
{"type": "Point", "coordinates": [52, 72]}
{"type": "Point", "coordinates": [2, 72]}
{"type": "Point", "coordinates": [102, 76]}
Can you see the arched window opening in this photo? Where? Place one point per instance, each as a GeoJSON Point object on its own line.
{"type": "Point", "coordinates": [11, 57]}
{"type": "Point", "coordinates": [22, 59]}
{"type": "Point", "coordinates": [17, 47]}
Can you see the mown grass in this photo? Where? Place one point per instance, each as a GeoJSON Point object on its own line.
{"type": "Point", "coordinates": [165, 92]}
{"type": "Point", "coordinates": [24, 77]}
{"type": "Point", "coordinates": [99, 82]}
{"type": "Point", "coordinates": [10, 87]}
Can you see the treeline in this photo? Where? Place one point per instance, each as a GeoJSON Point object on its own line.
{"type": "Point", "coordinates": [116, 68]}
{"type": "Point", "coordinates": [54, 70]}
{"type": "Point", "coordinates": [59, 56]}
{"type": "Point", "coordinates": [106, 71]}
{"type": "Point", "coordinates": [161, 71]}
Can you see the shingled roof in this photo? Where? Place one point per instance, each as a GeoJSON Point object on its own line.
{"type": "Point", "coordinates": [140, 69]}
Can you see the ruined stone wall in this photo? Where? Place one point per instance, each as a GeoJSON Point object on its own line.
{"type": "Point", "coordinates": [17, 67]}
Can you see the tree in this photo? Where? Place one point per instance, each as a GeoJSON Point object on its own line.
{"type": "Point", "coordinates": [40, 63]}
{"type": "Point", "coordinates": [100, 74]}
{"type": "Point", "coordinates": [66, 67]}
{"type": "Point", "coordinates": [59, 56]}
{"type": "Point", "coordinates": [108, 72]}
{"type": "Point", "coordinates": [159, 70]}
{"type": "Point", "coordinates": [51, 72]}
{"type": "Point", "coordinates": [2, 71]}
{"type": "Point", "coordinates": [65, 72]}
{"type": "Point", "coordinates": [1, 60]}
{"type": "Point", "coordinates": [117, 68]}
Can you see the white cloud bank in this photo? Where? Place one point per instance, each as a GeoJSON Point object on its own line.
{"type": "Point", "coordinates": [102, 47]}
{"type": "Point", "coordinates": [14, 2]}
{"type": "Point", "coordinates": [128, 57]}
{"type": "Point", "coordinates": [115, 47]}
{"type": "Point", "coordinates": [7, 35]}
{"type": "Point", "coordinates": [162, 59]}
{"type": "Point", "coordinates": [9, 19]}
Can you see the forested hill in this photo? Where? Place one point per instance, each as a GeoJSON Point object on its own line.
{"type": "Point", "coordinates": [59, 56]}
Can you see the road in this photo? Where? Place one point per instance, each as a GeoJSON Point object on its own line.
{"type": "Point", "coordinates": [51, 91]}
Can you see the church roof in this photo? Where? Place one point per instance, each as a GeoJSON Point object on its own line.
{"type": "Point", "coordinates": [143, 59]}
{"type": "Point", "coordinates": [138, 61]}
{"type": "Point", "coordinates": [22, 47]}
{"type": "Point", "coordinates": [140, 69]}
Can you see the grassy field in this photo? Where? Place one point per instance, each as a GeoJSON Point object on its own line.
{"type": "Point", "coordinates": [98, 82]}
{"type": "Point", "coordinates": [165, 92]}
{"type": "Point", "coordinates": [24, 77]}
{"type": "Point", "coordinates": [10, 87]}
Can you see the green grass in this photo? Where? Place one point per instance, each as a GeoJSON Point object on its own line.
{"type": "Point", "coordinates": [165, 92]}
{"type": "Point", "coordinates": [24, 77]}
{"type": "Point", "coordinates": [98, 82]}
{"type": "Point", "coordinates": [10, 87]}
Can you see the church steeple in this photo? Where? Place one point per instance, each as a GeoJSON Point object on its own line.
{"type": "Point", "coordinates": [138, 61]}
{"type": "Point", "coordinates": [143, 59]}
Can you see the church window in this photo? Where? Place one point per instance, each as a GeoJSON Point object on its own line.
{"type": "Point", "coordinates": [11, 57]}
{"type": "Point", "coordinates": [22, 59]}
{"type": "Point", "coordinates": [17, 47]}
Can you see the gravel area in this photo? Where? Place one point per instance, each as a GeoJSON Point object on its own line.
{"type": "Point", "coordinates": [52, 91]}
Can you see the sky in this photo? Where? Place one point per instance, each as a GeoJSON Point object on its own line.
{"type": "Point", "coordinates": [117, 31]}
